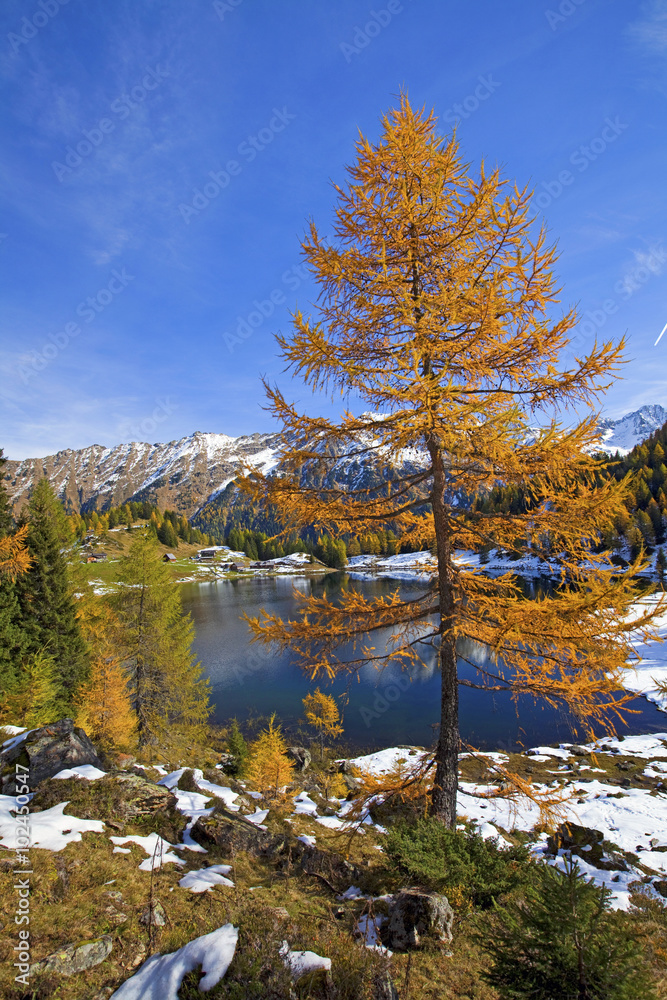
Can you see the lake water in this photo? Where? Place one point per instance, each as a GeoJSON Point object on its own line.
{"type": "Point", "coordinates": [382, 709]}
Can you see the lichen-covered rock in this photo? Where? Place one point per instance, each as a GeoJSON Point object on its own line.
{"type": "Point", "coordinates": [141, 797]}
{"type": "Point", "coordinates": [415, 915]}
{"type": "Point", "coordinates": [75, 958]}
{"type": "Point", "coordinates": [46, 751]}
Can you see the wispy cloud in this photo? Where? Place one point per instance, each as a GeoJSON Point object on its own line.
{"type": "Point", "coordinates": [650, 31]}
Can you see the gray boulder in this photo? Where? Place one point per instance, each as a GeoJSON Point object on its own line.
{"type": "Point", "coordinates": [74, 958]}
{"type": "Point", "coordinates": [415, 915]}
{"type": "Point", "coordinates": [300, 756]}
{"type": "Point", "coordinates": [229, 763]}
{"type": "Point", "coordinates": [46, 751]}
{"type": "Point", "coordinates": [138, 796]}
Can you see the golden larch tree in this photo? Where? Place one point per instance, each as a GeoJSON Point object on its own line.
{"type": "Point", "coordinates": [268, 765]}
{"type": "Point", "coordinates": [104, 708]}
{"type": "Point", "coordinates": [15, 557]}
{"type": "Point", "coordinates": [321, 712]}
{"type": "Point", "coordinates": [437, 309]}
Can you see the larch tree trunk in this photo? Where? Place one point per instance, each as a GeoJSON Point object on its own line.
{"type": "Point", "coordinates": [445, 785]}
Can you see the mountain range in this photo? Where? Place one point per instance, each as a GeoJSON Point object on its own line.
{"type": "Point", "coordinates": [190, 474]}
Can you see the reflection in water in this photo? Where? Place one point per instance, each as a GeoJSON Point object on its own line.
{"type": "Point", "coordinates": [381, 708]}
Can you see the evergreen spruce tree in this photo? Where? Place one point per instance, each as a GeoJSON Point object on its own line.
{"type": "Point", "coordinates": [13, 642]}
{"type": "Point", "coordinates": [169, 694]}
{"type": "Point", "coordinates": [237, 746]}
{"type": "Point", "coordinates": [48, 616]}
{"type": "Point", "coordinates": [561, 941]}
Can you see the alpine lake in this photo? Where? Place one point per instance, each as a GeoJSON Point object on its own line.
{"type": "Point", "coordinates": [379, 708]}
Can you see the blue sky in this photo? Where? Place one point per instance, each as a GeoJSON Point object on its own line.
{"type": "Point", "coordinates": [125, 292]}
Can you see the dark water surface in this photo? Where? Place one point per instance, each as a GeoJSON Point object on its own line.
{"type": "Point", "coordinates": [383, 709]}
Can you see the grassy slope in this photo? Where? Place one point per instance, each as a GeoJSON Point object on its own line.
{"type": "Point", "coordinates": [71, 902]}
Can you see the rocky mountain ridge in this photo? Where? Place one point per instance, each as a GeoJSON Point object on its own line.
{"type": "Point", "coordinates": [189, 474]}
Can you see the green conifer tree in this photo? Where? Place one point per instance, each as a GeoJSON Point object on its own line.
{"type": "Point", "coordinates": [237, 747]}
{"type": "Point", "coordinates": [47, 606]}
{"type": "Point", "coordinates": [12, 637]}
{"type": "Point", "coordinates": [561, 941]}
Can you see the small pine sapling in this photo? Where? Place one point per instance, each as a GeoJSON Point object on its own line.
{"type": "Point", "coordinates": [237, 747]}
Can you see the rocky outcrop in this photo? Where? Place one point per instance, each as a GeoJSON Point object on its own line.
{"type": "Point", "coordinates": [231, 833]}
{"type": "Point", "coordinates": [46, 751]}
{"type": "Point", "coordinates": [300, 756]}
{"type": "Point", "coordinates": [138, 796]}
{"type": "Point", "coordinates": [74, 958]}
{"type": "Point", "coordinates": [415, 916]}
{"type": "Point", "coordinates": [586, 843]}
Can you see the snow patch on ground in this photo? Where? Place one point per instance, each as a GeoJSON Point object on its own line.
{"type": "Point", "coordinates": [205, 879]}
{"type": "Point", "coordinates": [305, 805]}
{"type": "Point", "coordinates": [258, 817]}
{"type": "Point", "coordinates": [49, 829]}
{"type": "Point", "coordinates": [160, 977]}
{"type": "Point", "coordinates": [385, 761]}
{"type": "Point", "coordinates": [157, 849]}
{"type": "Point", "coordinates": [301, 962]}
{"type": "Point", "coordinates": [87, 771]}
